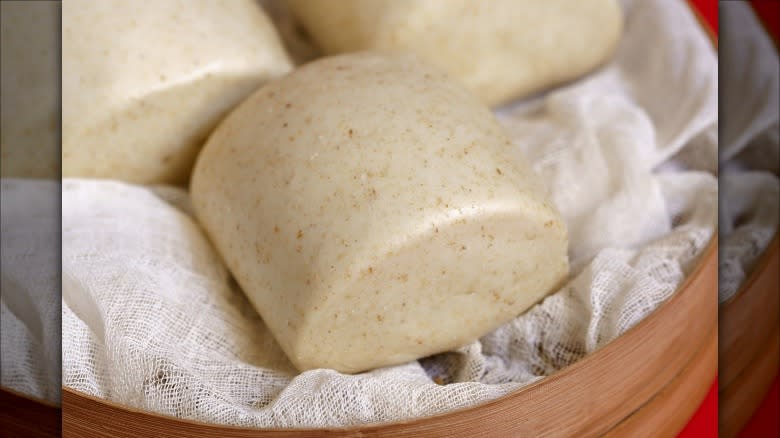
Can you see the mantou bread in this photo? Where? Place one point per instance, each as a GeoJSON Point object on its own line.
{"type": "Point", "coordinates": [29, 89]}
{"type": "Point", "coordinates": [144, 83]}
{"type": "Point", "coordinates": [500, 49]}
{"type": "Point", "coordinates": [367, 206]}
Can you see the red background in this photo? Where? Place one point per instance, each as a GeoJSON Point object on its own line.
{"type": "Point", "coordinates": [764, 423]}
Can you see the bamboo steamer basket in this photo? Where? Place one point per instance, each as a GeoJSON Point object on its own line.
{"type": "Point", "coordinates": [749, 343]}
{"type": "Point", "coordinates": [648, 382]}
{"type": "Point", "coordinates": [25, 416]}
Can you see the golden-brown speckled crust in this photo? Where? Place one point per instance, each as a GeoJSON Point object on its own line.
{"type": "Point", "coordinates": [366, 206]}
{"type": "Point", "coordinates": [500, 49]}
{"type": "Point", "coordinates": [29, 89]}
{"type": "Point", "coordinates": [144, 83]}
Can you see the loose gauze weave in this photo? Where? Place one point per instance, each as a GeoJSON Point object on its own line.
{"type": "Point", "coordinates": [152, 319]}
{"type": "Point", "coordinates": [30, 288]}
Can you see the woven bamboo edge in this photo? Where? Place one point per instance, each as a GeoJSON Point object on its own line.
{"type": "Point", "coordinates": [25, 416]}
{"type": "Point", "coordinates": [748, 326]}
{"type": "Point", "coordinates": [744, 395]}
{"type": "Point", "coordinates": [658, 419]}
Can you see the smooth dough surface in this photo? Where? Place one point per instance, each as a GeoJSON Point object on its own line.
{"type": "Point", "coordinates": [29, 89]}
{"type": "Point", "coordinates": [144, 83]}
{"type": "Point", "coordinates": [500, 49]}
{"type": "Point", "coordinates": [367, 207]}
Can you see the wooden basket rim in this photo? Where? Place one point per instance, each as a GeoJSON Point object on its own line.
{"type": "Point", "coordinates": [752, 277]}
{"type": "Point", "coordinates": [30, 398]}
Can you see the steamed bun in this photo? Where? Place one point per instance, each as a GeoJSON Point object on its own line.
{"type": "Point", "coordinates": [368, 208]}
{"type": "Point", "coordinates": [500, 49]}
{"type": "Point", "coordinates": [143, 83]}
